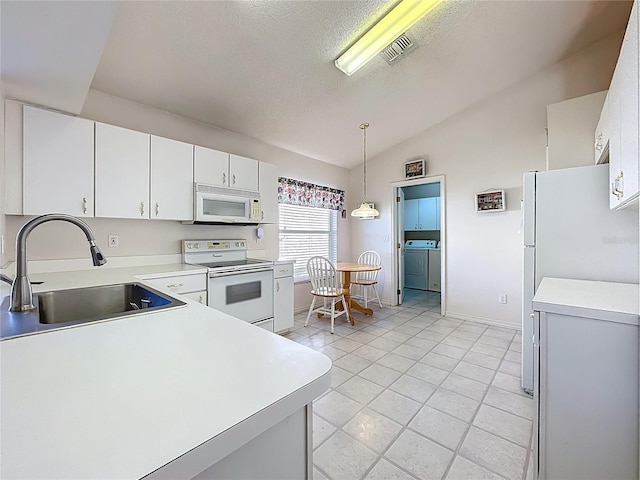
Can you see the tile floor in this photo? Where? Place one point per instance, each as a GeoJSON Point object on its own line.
{"type": "Point", "coordinates": [415, 395]}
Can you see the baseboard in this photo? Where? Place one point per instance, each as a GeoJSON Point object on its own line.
{"type": "Point", "coordinates": [488, 321]}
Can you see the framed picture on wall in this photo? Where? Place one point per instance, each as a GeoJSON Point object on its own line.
{"type": "Point", "coordinates": [415, 168]}
{"type": "Point", "coordinates": [491, 201]}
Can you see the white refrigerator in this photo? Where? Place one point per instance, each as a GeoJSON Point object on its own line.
{"type": "Point", "coordinates": [569, 232]}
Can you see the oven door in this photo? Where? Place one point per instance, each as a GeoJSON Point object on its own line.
{"type": "Point", "coordinates": [245, 295]}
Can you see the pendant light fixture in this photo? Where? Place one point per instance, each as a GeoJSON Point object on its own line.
{"type": "Point", "coordinates": [365, 211]}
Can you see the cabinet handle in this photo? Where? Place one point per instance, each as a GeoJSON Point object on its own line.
{"type": "Point", "coordinates": [277, 286]}
{"type": "Point", "coordinates": [84, 205]}
{"type": "Point", "coordinates": [142, 209]}
{"type": "Point", "coordinates": [157, 208]}
{"type": "Point", "coordinates": [224, 178]}
{"type": "Point", "coordinates": [175, 285]}
{"type": "Point", "coordinates": [617, 186]}
{"type": "Point", "coordinates": [234, 178]}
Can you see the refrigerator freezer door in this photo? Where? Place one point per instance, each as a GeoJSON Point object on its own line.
{"type": "Point", "coordinates": [528, 290]}
{"type": "Point", "coordinates": [529, 209]}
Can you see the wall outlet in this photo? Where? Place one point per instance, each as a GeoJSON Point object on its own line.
{"type": "Point", "coordinates": [502, 298]}
{"type": "Point", "coordinates": [113, 241]}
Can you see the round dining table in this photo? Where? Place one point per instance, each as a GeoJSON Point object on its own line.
{"type": "Point", "coordinates": [346, 269]}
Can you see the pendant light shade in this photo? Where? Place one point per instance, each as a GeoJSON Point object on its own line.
{"type": "Point", "coordinates": [365, 211]}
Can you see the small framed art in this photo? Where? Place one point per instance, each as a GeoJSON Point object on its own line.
{"type": "Point", "coordinates": [491, 201]}
{"type": "Point", "coordinates": [415, 168]}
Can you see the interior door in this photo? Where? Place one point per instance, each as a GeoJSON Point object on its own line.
{"type": "Point", "coordinates": [400, 243]}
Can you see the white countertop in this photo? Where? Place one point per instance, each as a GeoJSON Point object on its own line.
{"type": "Point", "coordinates": [122, 398]}
{"type": "Point", "coordinates": [618, 302]}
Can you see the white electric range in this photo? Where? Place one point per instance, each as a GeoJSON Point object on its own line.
{"type": "Point", "coordinates": [239, 286]}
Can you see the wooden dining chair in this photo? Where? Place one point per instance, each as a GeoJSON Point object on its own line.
{"type": "Point", "coordinates": [325, 285]}
{"type": "Point", "coordinates": [368, 279]}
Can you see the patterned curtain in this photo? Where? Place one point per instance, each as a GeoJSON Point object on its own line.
{"type": "Point", "coordinates": [297, 192]}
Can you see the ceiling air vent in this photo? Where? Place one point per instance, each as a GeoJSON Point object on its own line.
{"type": "Point", "coordinates": [396, 49]}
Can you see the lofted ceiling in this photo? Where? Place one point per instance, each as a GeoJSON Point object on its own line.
{"type": "Point", "coordinates": [264, 68]}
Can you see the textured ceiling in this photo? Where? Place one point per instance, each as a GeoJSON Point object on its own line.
{"type": "Point", "coordinates": [265, 68]}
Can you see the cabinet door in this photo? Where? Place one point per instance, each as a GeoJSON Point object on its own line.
{"type": "Point", "coordinates": [171, 179]}
{"type": "Point", "coordinates": [268, 180]}
{"type": "Point", "coordinates": [211, 167]}
{"type": "Point", "coordinates": [122, 172]}
{"type": "Point", "coordinates": [427, 213]}
{"type": "Point", "coordinates": [58, 163]}
{"type": "Point", "coordinates": [283, 304]}
{"type": "Point", "coordinates": [602, 135]}
{"type": "Point", "coordinates": [243, 173]}
{"type": "Point", "coordinates": [438, 219]}
{"type": "Point", "coordinates": [200, 297]}
{"type": "Point", "coordinates": [411, 214]}
{"type": "Point", "coordinates": [629, 86]}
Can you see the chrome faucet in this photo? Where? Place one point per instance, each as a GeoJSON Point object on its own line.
{"type": "Point", "coordinates": [21, 293]}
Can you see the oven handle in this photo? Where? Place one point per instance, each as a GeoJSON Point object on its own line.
{"type": "Point", "coordinates": [240, 272]}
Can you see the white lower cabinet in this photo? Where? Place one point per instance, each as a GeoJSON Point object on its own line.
{"type": "Point", "coordinates": [283, 297]}
{"type": "Point", "coordinates": [585, 380]}
{"type": "Point", "coordinates": [200, 297]}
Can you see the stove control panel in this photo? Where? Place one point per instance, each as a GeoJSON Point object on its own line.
{"type": "Point", "coordinates": [208, 245]}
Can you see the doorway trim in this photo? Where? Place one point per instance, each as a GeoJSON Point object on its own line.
{"type": "Point", "coordinates": [443, 233]}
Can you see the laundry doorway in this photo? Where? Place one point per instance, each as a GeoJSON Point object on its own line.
{"type": "Point", "coordinates": [419, 229]}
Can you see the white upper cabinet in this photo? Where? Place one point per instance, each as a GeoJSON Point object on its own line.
{"type": "Point", "coordinates": [57, 163]}
{"type": "Point", "coordinates": [619, 120]}
{"type": "Point", "coordinates": [122, 172]}
{"type": "Point", "coordinates": [171, 179]}
{"type": "Point", "coordinates": [211, 167]}
{"type": "Point", "coordinates": [422, 214]}
{"type": "Point", "coordinates": [268, 179]}
{"type": "Point", "coordinates": [243, 173]}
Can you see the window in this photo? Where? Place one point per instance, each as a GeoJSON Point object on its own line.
{"type": "Point", "coordinates": [306, 232]}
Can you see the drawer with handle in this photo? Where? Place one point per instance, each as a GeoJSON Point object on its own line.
{"type": "Point", "coordinates": [283, 270]}
{"type": "Point", "coordinates": [180, 283]}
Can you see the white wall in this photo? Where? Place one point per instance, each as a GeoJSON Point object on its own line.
{"type": "Point", "coordinates": [487, 146]}
{"type": "Point", "coordinates": [139, 237]}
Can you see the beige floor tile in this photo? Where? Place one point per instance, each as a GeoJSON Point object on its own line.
{"type": "Point", "coordinates": [361, 337]}
{"type": "Point", "coordinates": [413, 388]}
{"type": "Point", "coordinates": [449, 351]}
{"type": "Point", "coordinates": [395, 406]}
{"type": "Point", "coordinates": [438, 426]}
{"type": "Point", "coordinates": [343, 458]}
{"type": "Point", "coordinates": [396, 362]}
{"type": "Point", "coordinates": [321, 430]}
{"type": "Point", "coordinates": [509, 383]}
{"type": "Point", "coordinates": [463, 469]}
{"type": "Point", "coordinates": [332, 352]}
{"type": "Point", "coordinates": [427, 373]}
{"type": "Point", "coordinates": [318, 475]}
{"type": "Point", "coordinates": [352, 363]}
{"type": "Point", "coordinates": [396, 336]}
{"type": "Point", "coordinates": [420, 456]}
{"type": "Point", "coordinates": [336, 408]}
{"type": "Point", "coordinates": [373, 430]}
{"type": "Point", "coordinates": [454, 404]}
{"type": "Point", "coordinates": [465, 386]}
{"type": "Point", "coordinates": [383, 470]}
{"type": "Point", "coordinates": [496, 342]}
{"type": "Point", "coordinates": [494, 453]}
{"type": "Point", "coordinates": [440, 361]}
{"type": "Point", "coordinates": [421, 343]}
{"type": "Point", "coordinates": [510, 368]}
{"type": "Point", "coordinates": [510, 402]}
{"type": "Point", "coordinates": [512, 356]}
{"type": "Point", "coordinates": [384, 344]}
{"type": "Point", "coordinates": [360, 390]}
{"type": "Point", "coordinates": [475, 372]}
{"type": "Point", "coordinates": [339, 376]}
{"type": "Point", "coordinates": [434, 336]}
{"type": "Point", "coordinates": [510, 427]}
{"type": "Point", "coordinates": [346, 344]}
{"type": "Point", "coordinates": [490, 350]}
{"type": "Point", "coordinates": [379, 374]}
{"type": "Point", "coordinates": [370, 353]}
{"type": "Point", "coordinates": [482, 360]}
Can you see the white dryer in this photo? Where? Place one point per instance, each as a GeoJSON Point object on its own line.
{"type": "Point", "coordinates": [416, 263]}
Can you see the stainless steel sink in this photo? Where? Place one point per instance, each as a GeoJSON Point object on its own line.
{"type": "Point", "coordinates": [62, 308]}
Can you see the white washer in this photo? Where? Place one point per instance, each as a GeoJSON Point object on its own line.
{"type": "Point", "coordinates": [416, 263]}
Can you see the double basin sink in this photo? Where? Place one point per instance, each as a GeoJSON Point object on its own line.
{"type": "Point", "coordinates": [66, 308]}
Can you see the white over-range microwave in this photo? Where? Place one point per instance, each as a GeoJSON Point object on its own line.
{"type": "Point", "coordinates": [228, 206]}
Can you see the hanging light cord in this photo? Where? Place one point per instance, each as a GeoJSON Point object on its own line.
{"type": "Point", "coordinates": [364, 127]}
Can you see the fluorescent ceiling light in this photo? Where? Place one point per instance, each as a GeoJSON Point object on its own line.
{"type": "Point", "coordinates": [390, 27]}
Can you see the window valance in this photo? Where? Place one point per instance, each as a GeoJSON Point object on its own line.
{"type": "Point", "coordinates": [297, 192]}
